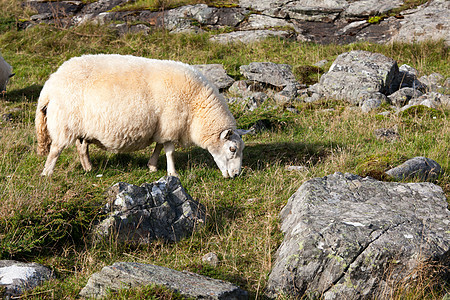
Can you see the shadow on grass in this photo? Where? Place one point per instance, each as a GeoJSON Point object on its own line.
{"type": "Point", "coordinates": [30, 92]}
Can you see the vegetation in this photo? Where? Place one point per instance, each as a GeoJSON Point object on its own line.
{"type": "Point", "coordinates": [48, 220]}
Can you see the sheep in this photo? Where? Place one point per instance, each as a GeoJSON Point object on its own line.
{"type": "Point", "coordinates": [5, 74]}
{"type": "Point", "coordinates": [124, 103]}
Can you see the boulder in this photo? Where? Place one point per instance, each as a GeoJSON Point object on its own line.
{"type": "Point", "coordinates": [348, 237]}
{"type": "Point", "coordinates": [356, 76]}
{"type": "Point", "coordinates": [418, 167]}
{"type": "Point", "coordinates": [17, 277]}
{"type": "Point", "coordinates": [127, 275]}
{"type": "Point", "coordinates": [429, 21]}
{"type": "Point", "coordinates": [216, 74]}
{"type": "Point", "coordinates": [278, 75]}
{"type": "Point", "coordinates": [158, 210]}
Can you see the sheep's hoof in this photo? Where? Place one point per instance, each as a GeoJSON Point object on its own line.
{"type": "Point", "coordinates": [152, 169]}
{"type": "Point", "coordinates": [175, 174]}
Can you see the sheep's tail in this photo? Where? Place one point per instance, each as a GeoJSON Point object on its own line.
{"type": "Point", "coordinates": [43, 138]}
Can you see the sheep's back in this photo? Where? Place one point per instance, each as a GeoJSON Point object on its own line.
{"type": "Point", "coordinates": [122, 103]}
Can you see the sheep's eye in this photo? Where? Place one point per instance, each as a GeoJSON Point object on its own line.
{"type": "Point", "coordinates": [232, 149]}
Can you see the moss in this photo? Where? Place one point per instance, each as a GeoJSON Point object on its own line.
{"type": "Point", "coordinates": [375, 19]}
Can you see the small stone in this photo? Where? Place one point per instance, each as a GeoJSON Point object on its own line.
{"type": "Point", "coordinates": [296, 168]}
{"type": "Point", "coordinates": [211, 259]}
{"type": "Point", "coordinates": [387, 134]}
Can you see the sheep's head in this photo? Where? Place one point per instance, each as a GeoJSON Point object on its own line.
{"type": "Point", "coordinates": [228, 154]}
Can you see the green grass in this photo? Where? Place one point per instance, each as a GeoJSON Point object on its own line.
{"type": "Point", "coordinates": [48, 220]}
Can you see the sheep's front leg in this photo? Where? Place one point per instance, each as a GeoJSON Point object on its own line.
{"type": "Point", "coordinates": [169, 148]}
{"type": "Point", "coordinates": [55, 152]}
{"type": "Point", "coordinates": [154, 158]}
{"type": "Point", "coordinates": [83, 152]}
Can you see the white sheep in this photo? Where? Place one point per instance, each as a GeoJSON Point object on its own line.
{"type": "Point", "coordinates": [125, 103]}
{"type": "Point", "coordinates": [5, 74]}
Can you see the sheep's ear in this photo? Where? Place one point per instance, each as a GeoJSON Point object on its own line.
{"type": "Point", "coordinates": [242, 132]}
{"type": "Point", "coordinates": [226, 134]}
{"type": "Point", "coordinates": [11, 75]}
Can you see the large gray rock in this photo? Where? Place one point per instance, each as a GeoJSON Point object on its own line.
{"type": "Point", "coordinates": [127, 275]}
{"type": "Point", "coordinates": [429, 21]}
{"type": "Point", "coordinates": [348, 237]}
{"type": "Point", "coordinates": [419, 167]}
{"type": "Point", "coordinates": [17, 277]}
{"type": "Point", "coordinates": [356, 76]}
{"type": "Point", "coordinates": [158, 210]}
{"type": "Point", "coordinates": [216, 74]}
{"type": "Point", "coordinates": [278, 75]}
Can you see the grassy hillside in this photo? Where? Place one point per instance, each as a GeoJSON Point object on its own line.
{"type": "Point", "coordinates": [48, 220]}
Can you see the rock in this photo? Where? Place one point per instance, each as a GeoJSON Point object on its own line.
{"type": "Point", "coordinates": [375, 101]}
{"type": "Point", "coordinates": [249, 36]}
{"type": "Point", "coordinates": [427, 22]}
{"type": "Point", "coordinates": [408, 78]}
{"type": "Point", "coordinates": [418, 167]}
{"type": "Point", "coordinates": [387, 134]}
{"type": "Point", "coordinates": [254, 100]}
{"type": "Point", "coordinates": [240, 88]}
{"type": "Point", "coordinates": [278, 75]}
{"type": "Point", "coordinates": [348, 237]}
{"type": "Point", "coordinates": [430, 99]}
{"type": "Point", "coordinates": [128, 275]}
{"type": "Point", "coordinates": [124, 28]}
{"type": "Point", "coordinates": [288, 94]}
{"type": "Point", "coordinates": [432, 81]}
{"type": "Point", "coordinates": [324, 21]}
{"type": "Point", "coordinates": [296, 168]}
{"type": "Point", "coordinates": [17, 277]}
{"type": "Point", "coordinates": [321, 63]}
{"type": "Point", "coordinates": [211, 259]}
{"type": "Point", "coordinates": [58, 9]}
{"type": "Point", "coordinates": [359, 75]}
{"type": "Point", "coordinates": [216, 74]}
{"type": "Point", "coordinates": [258, 22]}
{"type": "Point", "coordinates": [158, 210]}
{"type": "Point", "coordinates": [369, 8]}
{"type": "Point", "coordinates": [403, 95]}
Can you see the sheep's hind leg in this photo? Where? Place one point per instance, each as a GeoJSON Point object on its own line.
{"type": "Point", "coordinates": [169, 148]}
{"type": "Point", "coordinates": [154, 158]}
{"type": "Point", "coordinates": [55, 152]}
{"type": "Point", "coordinates": [83, 152]}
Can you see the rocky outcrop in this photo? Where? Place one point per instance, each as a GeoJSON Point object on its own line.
{"type": "Point", "coordinates": [348, 237]}
{"type": "Point", "coordinates": [359, 76]}
{"type": "Point", "coordinates": [127, 275]}
{"type": "Point", "coordinates": [17, 277]}
{"type": "Point", "coordinates": [158, 210]}
{"type": "Point", "coordinates": [325, 21]}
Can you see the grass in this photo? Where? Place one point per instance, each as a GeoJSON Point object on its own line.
{"type": "Point", "coordinates": [48, 220]}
